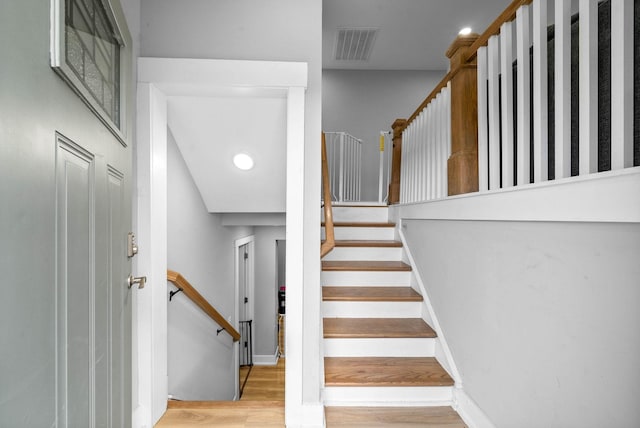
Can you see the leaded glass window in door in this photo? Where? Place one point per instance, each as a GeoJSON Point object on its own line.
{"type": "Point", "coordinates": [93, 52]}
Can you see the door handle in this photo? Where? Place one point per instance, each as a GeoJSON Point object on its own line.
{"type": "Point", "coordinates": [140, 280]}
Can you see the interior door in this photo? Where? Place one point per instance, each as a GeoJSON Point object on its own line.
{"type": "Point", "coordinates": [65, 185]}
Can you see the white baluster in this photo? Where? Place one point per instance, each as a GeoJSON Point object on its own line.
{"type": "Point", "coordinates": [523, 30]}
{"type": "Point", "coordinates": [621, 84]}
{"type": "Point", "coordinates": [540, 90]}
{"type": "Point", "coordinates": [437, 144]}
{"type": "Point", "coordinates": [563, 89]}
{"type": "Point", "coordinates": [588, 89]}
{"type": "Point", "coordinates": [506, 67]}
{"type": "Point", "coordinates": [494, 113]}
{"type": "Point", "coordinates": [483, 121]}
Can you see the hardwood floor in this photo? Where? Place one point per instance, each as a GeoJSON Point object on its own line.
{"type": "Point", "coordinates": [261, 404]}
{"type": "Point", "coordinates": [265, 383]}
{"type": "Point", "coordinates": [235, 414]}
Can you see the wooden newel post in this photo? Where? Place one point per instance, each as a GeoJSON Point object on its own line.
{"type": "Point", "coordinates": [462, 166]}
{"type": "Point", "coordinates": [396, 162]}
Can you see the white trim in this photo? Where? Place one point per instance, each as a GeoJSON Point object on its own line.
{"type": "Point", "coordinates": [449, 361]}
{"type": "Point", "coordinates": [151, 309]}
{"type": "Point", "coordinates": [266, 360]}
{"type": "Point", "coordinates": [469, 411]}
{"type": "Point", "coordinates": [603, 197]}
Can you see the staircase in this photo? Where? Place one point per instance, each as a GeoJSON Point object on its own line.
{"type": "Point", "coordinates": [379, 353]}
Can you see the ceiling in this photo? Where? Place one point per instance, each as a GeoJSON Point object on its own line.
{"type": "Point", "coordinates": [412, 34]}
{"type": "Point", "coordinates": [209, 125]}
{"type": "Point", "coordinates": [210, 131]}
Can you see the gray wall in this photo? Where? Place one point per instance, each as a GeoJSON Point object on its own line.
{"type": "Point", "coordinates": [200, 363]}
{"type": "Point", "coordinates": [363, 103]}
{"type": "Point", "coordinates": [266, 297]}
{"type": "Point", "coordinates": [542, 318]}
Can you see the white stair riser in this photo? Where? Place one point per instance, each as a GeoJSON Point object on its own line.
{"type": "Point", "coordinates": [371, 309]}
{"type": "Point", "coordinates": [359, 214]}
{"type": "Point", "coordinates": [388, 347]}
{"type": "Point", "coordinates": [388, 396]}
{"type": "Point", "coordinates": [366, 278]}
{"type": "Point", "coordinates": [364, 253]}
{"type": "Point", "coordinates": [371, 233]}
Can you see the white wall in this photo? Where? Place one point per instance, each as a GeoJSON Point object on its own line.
{"type": "Point", "coordinates": [200, 363]}
{"type": "Point", "coordinates": [266, 297]}
{"type": "Point", "coordinates": [363, 103]}
{"type": "Point", "coordinates": [541, 317]}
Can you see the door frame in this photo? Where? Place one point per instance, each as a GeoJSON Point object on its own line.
{"type": "Point", "coordinates": [158, 79]}
{"type": "Point", "coordinates": [251, 284]}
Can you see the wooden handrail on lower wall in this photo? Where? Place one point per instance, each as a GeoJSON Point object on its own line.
{"type": "Point", "coordinates": [329, 241]}
{"type": "Point", "coordinates": [179, 281]}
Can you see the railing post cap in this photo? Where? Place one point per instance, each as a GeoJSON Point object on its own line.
{"type": "Point", "coordinates": [457, 52]}
{"type": "Point", "coordinates": [398, 123]}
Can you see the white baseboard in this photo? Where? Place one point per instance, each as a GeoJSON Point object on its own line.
{"type": "Point", "coordinates": [266, 360]}
{"type": "Point", "coordinates": [469, 411]}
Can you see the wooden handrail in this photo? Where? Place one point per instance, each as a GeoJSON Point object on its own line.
{"type": "Point", "coordinates": [329, 241]}
{"type": "Point", "coordinates": [179, 281]}
{"type": "Point", "coordinates": [507, 15]}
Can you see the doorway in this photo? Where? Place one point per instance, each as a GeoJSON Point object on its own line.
{"type": "Point", "coordinates": [281, 260]}
{"type": "Point", "coordinates": [158, 79]}
{"type": "Point", "coordinates": [245, 292]}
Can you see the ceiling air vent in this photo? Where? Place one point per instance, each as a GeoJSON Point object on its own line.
{"type": "Point", "coordinates": [354, 44]}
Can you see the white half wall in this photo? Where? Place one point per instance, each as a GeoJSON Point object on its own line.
{"type": "Point", "coordinates": [541, 317]}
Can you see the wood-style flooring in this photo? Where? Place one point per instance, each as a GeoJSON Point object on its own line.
{"type": "Point", "coordinates": [261, 405]}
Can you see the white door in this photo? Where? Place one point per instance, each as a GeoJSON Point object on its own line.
{"type": "Point", "coordinates": [65, 186]}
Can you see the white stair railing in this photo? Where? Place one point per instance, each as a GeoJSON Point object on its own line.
{"type": "Point", "coordinates": [426, 146]}
{"type": "Point", "coordinates": [528, 103]}
{"type": "Point", "coordinates": [344, 153]}
{"type": "Point", "coordinates": [515, 126]}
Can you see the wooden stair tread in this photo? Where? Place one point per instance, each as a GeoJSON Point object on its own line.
{"type": "Point", "coordinates": [361, 224]}
{"type": "Point", "coordinates": [368, 243]}
{"type": "Point", "coordinates": [377, 328]}
{"type": "Point", "coordinates": [385, 371]}
{"type": "Point", "coordinates": [428, 417]}
{"type": "Point", "coordinates": [370, 294]}
{"type": "Point", "coordinates": [239, 404]}
{"type": "Point", "coordinates": [365, 265]}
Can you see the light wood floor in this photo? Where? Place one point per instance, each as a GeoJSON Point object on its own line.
{"type": "Point", "coordinates": [265, 383]}
{"type": "Point", "coordinates": [261, 405]}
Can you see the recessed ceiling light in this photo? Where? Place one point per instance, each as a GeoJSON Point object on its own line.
{"type": "Point", "coordinates": [465, 31]}
{"type": "Point", "coordinates": [243, 161]}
